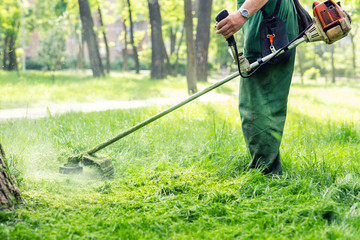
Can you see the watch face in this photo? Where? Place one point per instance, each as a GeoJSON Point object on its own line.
{"type": "Point", "coordinates": [245, 13]}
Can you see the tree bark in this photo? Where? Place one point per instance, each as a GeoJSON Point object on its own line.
{"type": "Point", "coordinates": [80, 55]}
{"type": "Point", "coordinates": [9, 192]}
{"type": "Point", "coordinates": [125, 50]}
{"type": "Point", "coordinates": [300, 57]}
{"type": "Point", "coordinates": [173, 70]}
{"type": "Point", "coordinates": [352, 38]}
{"type": "Point", "coordinates": [9, 51]}
{"type": "Point", "coordinates": [12, 54]}
{"type": "Point", "coordinates": [136, 57]}
{"type": "Point", "coordinates": [203, 39]}
{"type": "Point", "coordinates": [190, 48]}
{"type": "Point", "coordinates": [176, 68]}
{"type": "Point", "coordinates": [105, 41]}
{"type": "Point", "coordinates": [158, 70]}
{"type": "Point", "coordinates": [5, 52]}
{"type": "Point", "coordinates": [172, 39]}
{"type": "Point", "coordinates": [90, 38]}
{"type": "Point", "coordinates": [333, 77]}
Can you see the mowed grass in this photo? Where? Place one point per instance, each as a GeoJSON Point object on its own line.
{"type": "Point", "coordinates": [185, 176]}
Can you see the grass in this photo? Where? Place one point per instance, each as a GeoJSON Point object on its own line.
{"type": "Point", "coordinates": [34, 88]}
{"type": "Point", "coordinates": [185, 176]}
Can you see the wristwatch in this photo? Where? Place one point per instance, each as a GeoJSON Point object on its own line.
{"type": "Point", "coordinates": [245, 13]}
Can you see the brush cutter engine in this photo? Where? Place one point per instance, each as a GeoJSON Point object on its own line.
{"type": "Point", "coordinates": [331, 23]}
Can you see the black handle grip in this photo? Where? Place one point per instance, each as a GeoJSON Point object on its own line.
{"type": "Point", "coordinates": [220, 16]}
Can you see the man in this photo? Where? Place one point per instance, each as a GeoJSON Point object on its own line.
{"type": "Point", "coordinates": [263, 96]}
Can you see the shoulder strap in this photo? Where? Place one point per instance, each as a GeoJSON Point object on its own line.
{"type": "Point", "coordinates": [304, 18]}
{"type": "Point", "coordinates": [276, 11]}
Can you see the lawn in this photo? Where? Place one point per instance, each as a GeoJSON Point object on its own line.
{"type": "Point", "coordinates": [33, 88]}
{"type": "Point", "coordinates": [185, 176]}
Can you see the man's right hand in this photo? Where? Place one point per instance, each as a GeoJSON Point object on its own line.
{"type": "Point", "coordinates": [231, 24]}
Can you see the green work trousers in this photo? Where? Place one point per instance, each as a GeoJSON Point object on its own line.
{"type": "Point", "coordinates": [263, 96]}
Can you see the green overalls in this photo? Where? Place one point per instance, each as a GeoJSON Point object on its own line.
{"type": "Point", "coordinates": [263, 96]}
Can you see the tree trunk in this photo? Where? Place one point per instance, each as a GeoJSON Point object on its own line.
{"type": "Point", "coordinates": [9, 192]}
{"type": "Point", "coordinates": [352, 36]}
{"type": "Point", "coordinates": [173, 33]}
{"type": "Point", "coordinates": [105, 41]}
{"type": "Point", "coordinates": [190, 48]}
{"type": "Point", "coordinates": [172, 39]}
{"type": "Point", "coordinates": [12, 54]}
{"type": "Point", "coordinates": [5, 52]}
{"type": "Point", "coordinates": [203, 39]}
{"type": "Point", "coordinates": [176, 69]}
{"type": "Point", "coordinates": [168, 64]}
{"type": "Point", "coordinates": [158, 70]}
{"type": "Point", "coordinates": [125, 50]}
{"type": "Point", "coordinates": [333, 77]}
{"type": "Point", "coordinates": [300, 56]}
{"type": "Point", "coordinates": [9, 52]}
{"type": "Point", "coordinates": [80, 55]}
{"type": "Point", "coordinates": [90, 38]}
{"type": "Point", "coordinates": [136, 57]}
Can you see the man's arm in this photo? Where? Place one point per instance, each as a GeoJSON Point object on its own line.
{"type": "Point", "coordinates": [234, 22]}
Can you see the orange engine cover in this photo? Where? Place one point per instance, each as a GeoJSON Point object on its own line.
{"type": "Point", "coordinates": [328, 12]}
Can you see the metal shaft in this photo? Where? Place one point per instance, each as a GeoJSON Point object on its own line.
{"type": "Point", "coordinates": [264, 59]}
{"type": "Point", "coordinates": [176, 106]}
{"type": "Point", "coordinates": [161, 114]}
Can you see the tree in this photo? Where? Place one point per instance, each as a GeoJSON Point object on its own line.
{"type": "Point", "coordinates": [52, 44]}
{"type": "Point", "coordinates": [105, 40]}
{"type": "Point", "coordinates": [173, 26]}
{"type": "Point", "coordinates": [90, 38]}
{"type": "Point", "coordinates": [158, 70]}
{"type": "Point", "coordinates": [353, 45]}
{"type": "Point", "coordinates": [177, 51]}
{"type": "Point", "coordinates": [333, 71]}
{"type": "Point", "coordinates": [125, 49]}
{"type": "Point", "coordinates": [203, 39]}
{"type": "Point", "coordinates": [9, 192]}
{"type": "Point", "coordinates": [10, 26]}
{"type": "Point", "coordinates": [136, 57]}
{"type": "Point", "coordinates": [190, 48]}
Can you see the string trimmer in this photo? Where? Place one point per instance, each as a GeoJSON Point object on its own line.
{"type": "Point", "coordinates": [330, 23]}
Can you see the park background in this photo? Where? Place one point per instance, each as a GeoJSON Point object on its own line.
{"type": "Point", "coordinates": [184, 176]}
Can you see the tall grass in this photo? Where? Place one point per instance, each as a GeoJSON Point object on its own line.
{"type": "Point", "coordinates": [185, 176]}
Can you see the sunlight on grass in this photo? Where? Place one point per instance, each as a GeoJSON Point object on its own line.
{"type": "Point", "coordinates": [37, 88]}
{"type": "Point", "coordinates": [185, 176]}
{"type": "Point", "coordinates": [32, 88]}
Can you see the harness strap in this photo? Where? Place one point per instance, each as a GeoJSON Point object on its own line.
{"type": "Point", "coordinates": [276, 11]}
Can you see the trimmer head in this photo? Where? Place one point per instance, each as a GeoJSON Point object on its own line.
{"type": "Point", "coordinates": [70, 169]}
{"type": "Point", "coordinates": [103, 163]}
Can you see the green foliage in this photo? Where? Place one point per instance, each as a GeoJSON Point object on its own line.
{"type": "Point", "coordinates": [41, 16]}
{"type": "Point", "coordinates": [10, 14]}
{"type": "Point", "coordinates": [53, 43]}
{"type": "Point", "coordinates": [34, 65]}
{"type": "Point", "coordinates": [312, 73]}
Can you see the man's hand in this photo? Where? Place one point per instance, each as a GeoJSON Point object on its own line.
{"type": "Point", "coordinates": [231, 24]}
